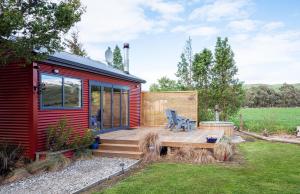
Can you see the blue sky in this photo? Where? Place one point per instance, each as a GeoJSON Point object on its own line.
{"type": "Point", "coordinates": [264, 35]}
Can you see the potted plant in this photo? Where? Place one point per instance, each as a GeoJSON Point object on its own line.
{"type": "Point", "coordinates": [211, 139]}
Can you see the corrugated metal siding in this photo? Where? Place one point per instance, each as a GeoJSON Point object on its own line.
{"type": "Point", "coordinates": [80, 117]}
{"type": "Point", "coordinates": [16, 105]}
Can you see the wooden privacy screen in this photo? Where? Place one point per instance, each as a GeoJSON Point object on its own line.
{"type": "Point", "coordinates": [154, 104]}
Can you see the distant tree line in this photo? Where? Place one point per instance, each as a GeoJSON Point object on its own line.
{"type": "Point", "coordinates": [264, 96]}
{"type": "Point", "coordinates": [212, 75]}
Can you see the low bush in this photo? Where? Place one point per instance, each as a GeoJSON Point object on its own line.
{"type": "Point", "coordinates": [61, 137]}
{"type": "Point", "coordinates": [10, 155]}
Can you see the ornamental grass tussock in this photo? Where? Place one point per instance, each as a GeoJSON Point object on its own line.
{"type": "Point", "coordinates": [150, 146]}
{"type": "Point", "coordinates": [223, 151]}
{"type": "Point", "coordinates": [52, 163]}
{"type": "Point", "coordinates": [192, 155]}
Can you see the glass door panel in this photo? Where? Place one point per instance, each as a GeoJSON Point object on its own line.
{"type": "Point", "coordinates": [95, 107]}
{"type": "Point", "coordinates": [107, 102]}
{"type": "Point", "coordinates": [125, 108]}
{"type": "Point", "coordinates": [117, 108]}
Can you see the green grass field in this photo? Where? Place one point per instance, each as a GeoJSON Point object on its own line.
{"type": "Point", "coordinates": [273, 119]}
{"type": "Point", "coordinates": [268, 168]}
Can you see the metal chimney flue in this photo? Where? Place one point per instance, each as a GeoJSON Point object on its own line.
{"type": "Point", "coordinates": [126, 57]}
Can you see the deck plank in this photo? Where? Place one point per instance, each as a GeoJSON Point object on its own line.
{"type": "Point", "coordinates": [195, 138]}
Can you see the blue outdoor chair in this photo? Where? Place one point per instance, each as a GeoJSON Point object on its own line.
{"type": "Point", "coordinates": [177, 123]}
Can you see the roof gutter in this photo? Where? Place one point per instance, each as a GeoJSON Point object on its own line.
{"type": "Point", "coordinates": [79, 66]}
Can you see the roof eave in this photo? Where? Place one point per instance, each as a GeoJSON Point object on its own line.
{"type": "Point", "coordinates": [79, 66]}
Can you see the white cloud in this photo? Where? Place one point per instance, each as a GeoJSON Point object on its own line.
{"type": "Point", "coordinates": [222, 9]}
{"type": "Point", "coordinates": [194, 30]}
{"type": "Point", "coordinates": [168, 10]}
{"type": "Point", "coordinates": [273, 26]}
{"type": "Point", "coordinates": [268, 57]}
{"type": "Point", "coordinates": [243, 25]}
{"type": "Point", "coordinates": [114, 20]}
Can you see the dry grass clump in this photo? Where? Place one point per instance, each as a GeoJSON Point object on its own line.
{"type": "Point", "coordinates": [223, 151]}
{"type": "Point", "coordinates": [189, 154]}
{"type": "Point", "coordinates": [52, 163]}
{"type": "Point", "coordinates": [203, 156]}
{"type": "Point", "coordinates": [150, 146]}
{"type": "Point", "coordinates": [184, 154]}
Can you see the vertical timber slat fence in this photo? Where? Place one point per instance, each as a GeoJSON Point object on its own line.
{"type": "Point", "coordinates": [154, 104]}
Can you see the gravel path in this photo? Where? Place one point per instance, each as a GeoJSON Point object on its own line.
{"type": "Point", "coordinates": [73, 178]}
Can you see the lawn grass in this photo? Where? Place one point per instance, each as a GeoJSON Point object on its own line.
{"type": "Point", "coordinates": [273, 119]}
{"type": "Point", "coordinates": [268, 168]}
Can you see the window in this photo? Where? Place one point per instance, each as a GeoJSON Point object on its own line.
{"type": "Point", "coordinates": [72, 92]}
{"type": "Point", "coordinates": [60, 92]}
{"type": "Point", "coordinates": [52, 91]}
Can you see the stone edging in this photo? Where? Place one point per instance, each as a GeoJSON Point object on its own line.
{"type": "Point", "coordinates": [272, 139]}
{"type": "Point", "coordinates": [106, 178]}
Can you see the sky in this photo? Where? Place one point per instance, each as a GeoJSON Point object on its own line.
{"type": "Point", "coordinates": [263, 34]}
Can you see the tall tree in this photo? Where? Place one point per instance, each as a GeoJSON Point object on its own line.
{"type": "Point", "coordinates": [227, 90]}
{"type": "Point", "coordinates": [201, 68]}
{"type": "Point", "coordinates": [74, 45]}
{"type": "Point", "coordinates": [27, 26]}
{"type": "Point", "coordinates": [117, 59]}
{"type": "Point", "coordinates": [164, 84]}
{"type": "Point", "coordinates": [184, 67]}
{"type": "Point", "coordinates": [202, 76]}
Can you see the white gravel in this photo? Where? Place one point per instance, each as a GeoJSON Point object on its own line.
{"type": "Point", "coordinates": [73, 178]}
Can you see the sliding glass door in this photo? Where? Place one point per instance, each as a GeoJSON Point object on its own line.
{"type": "Point", "coordinates": [106, 108]}
{"type": "Point", "coordinates": [109, 106]}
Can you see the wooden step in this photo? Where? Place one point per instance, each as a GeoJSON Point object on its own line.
{"type": "Point", "coordinates": [122, 154]}
{"type": "Point", "coordinates": [119, 147]}
{"type": "Point", "coordinates": [118, 141]}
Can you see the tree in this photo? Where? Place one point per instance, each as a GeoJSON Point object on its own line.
{"type": "Point", "coordinates": [227, 91]}
{"type": "Point", "coordinates": [201, 76]}
{"type": "Point", "coordinates": [262, 96]}
{"type": "Point", "coordinates": [184, 67]}
{"type": "Point", "coordinates": [164, 84]}
{"type": "Point", "coordinates": [74, 45]}
{"type": "Point", "coordinates": [289, 95]}
{"type": "Point", "coordinates": [117, 59]}
{"type": "Point", "coordinates": [27, 26]}
{"type": "Point", "coordinates": [201, 69]}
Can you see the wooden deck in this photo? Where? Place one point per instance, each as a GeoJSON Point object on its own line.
{"type": "Point", "coordinates": [195, 138]}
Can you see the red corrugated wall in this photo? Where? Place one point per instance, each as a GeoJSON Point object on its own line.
{"type": "Point", "coordinates": [80, 117]}
{"type": "Point", "coordinates": [16, 106]}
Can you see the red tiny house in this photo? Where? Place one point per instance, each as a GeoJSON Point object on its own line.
{"type": "Point", "coordinates": [25, 121]}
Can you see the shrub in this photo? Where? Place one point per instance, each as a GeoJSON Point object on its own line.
{"type": "Point", "coordinates": [59, 136]}
{"type": "Point", "coordinates": [84, 141]}
{"type": "Point", "coordinates": [10, 154]}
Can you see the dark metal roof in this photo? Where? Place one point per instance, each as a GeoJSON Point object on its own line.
{"type": "Point", "coordinates": [86, 64]}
